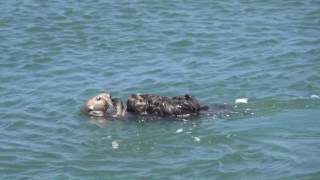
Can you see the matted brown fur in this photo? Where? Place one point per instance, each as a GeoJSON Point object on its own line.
{"type": "Point", "coordinates": [163, 106]}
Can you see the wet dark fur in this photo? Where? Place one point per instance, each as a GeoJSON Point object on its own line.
{"type": "Point", "coordinates": [118, 108]}
{"type": "Point", "coordinates": [163, 106]}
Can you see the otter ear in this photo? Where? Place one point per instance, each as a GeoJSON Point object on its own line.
{"type": "Point", "coordinates": [187, 96]}
{"type": "Point", "coordinates": [106, 96]}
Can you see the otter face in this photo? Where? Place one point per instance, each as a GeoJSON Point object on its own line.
{"type": "Point", "coordinates": [137, 104]}
{"type": "Point", "coordinates": [99, 103]}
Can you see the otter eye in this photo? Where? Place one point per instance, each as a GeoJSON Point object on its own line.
{"type": "Point", "coordinates": [98, 98]}
{"type": "Point", "coordinates": [140, 101]}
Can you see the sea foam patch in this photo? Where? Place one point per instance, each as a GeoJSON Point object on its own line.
{"type": "Point", "coordinates": [179, 130]}
{"type": "Point", "coordinates": [242, 100]}
{"type": "Point", "coordinates": [115, 145]}
{"type": "Point", "coordinates": [196, 139]}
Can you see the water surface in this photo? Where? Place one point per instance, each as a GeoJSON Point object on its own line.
{"type": "Point", "coordinates": [56, 54]}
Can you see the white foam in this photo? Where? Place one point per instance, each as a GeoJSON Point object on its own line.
{"type": "Point", "coordinates": [115, 145]}
{"type": "Point", "coordinates": [196, 139]}
{"type": "Point", "coordinates": [241, 100]}
{"type": "Point", "coordinates": [313, 96]}
{"type": "Point", "coordinates": [179, 130]}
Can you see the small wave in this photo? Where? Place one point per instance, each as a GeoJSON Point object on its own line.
{"type": "Point", "coordinates": [313, 96]}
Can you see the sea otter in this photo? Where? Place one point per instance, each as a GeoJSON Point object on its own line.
{"type": "Point", "coordinates": [152, 107]}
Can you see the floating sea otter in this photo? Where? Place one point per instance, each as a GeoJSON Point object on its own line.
{"type": "Point", "coordinates": [151, 106]}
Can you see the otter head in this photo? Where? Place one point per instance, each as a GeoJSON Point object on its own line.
{"type": "Point", "coordinates": [137, 104]}
{"type": "Point", "coordinates": [98, 105]}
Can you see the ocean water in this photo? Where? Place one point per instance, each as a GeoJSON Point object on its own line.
{"type": "Point", "coordinates": [56, 54]}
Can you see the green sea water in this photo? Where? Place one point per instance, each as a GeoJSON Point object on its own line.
{"type": "Point", "coordinates": [56, 54]}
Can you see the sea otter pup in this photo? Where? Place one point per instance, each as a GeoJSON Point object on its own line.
{"type": "Point", "coordinates": [155, 105]}
{"type": "Point", "coordinates": [97, 105]}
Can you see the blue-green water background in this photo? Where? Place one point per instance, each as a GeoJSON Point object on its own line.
{"type": "Point", "coordinates": [56, 54]}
